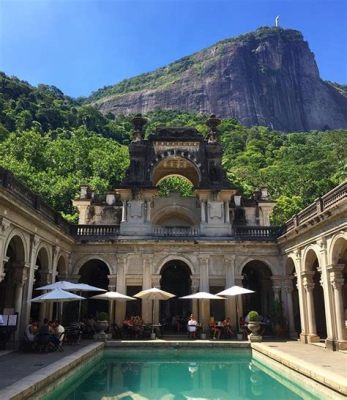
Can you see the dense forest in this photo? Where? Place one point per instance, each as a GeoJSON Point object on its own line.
{"type": "Point", "coordinates": [54, 144]}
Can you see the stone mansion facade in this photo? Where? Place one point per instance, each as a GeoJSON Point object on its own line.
{"type": "Point", "coordinates": [134, 239]}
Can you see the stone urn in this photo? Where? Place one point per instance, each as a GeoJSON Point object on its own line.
{"type": "Point", "coordinates": [254, 326]}
{"type": "Point", "coordinates": [102, 326]}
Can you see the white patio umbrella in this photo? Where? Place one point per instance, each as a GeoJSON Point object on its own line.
{"type": "Point", "coordinates": [57, 296]}
{"type": "Point", "coordinates": [235, 291]}
{"type": "Point", "coordinates": [154, 294]}
{"type": "Point", "coordinates": [202, 296]}
{"type": "Point", "coordinates": [70, 286]}
{"type": "Point", "coordinates": [73, 287]}
{"type": "Point", "coordinates": [112, 297]}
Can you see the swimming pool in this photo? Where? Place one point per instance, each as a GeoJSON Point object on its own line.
{"type": "Point", "coordinates": [178, 374]}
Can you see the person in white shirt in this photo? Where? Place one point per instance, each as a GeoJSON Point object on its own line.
{"type": "Point", "coordinates": [59, 331]}
{"type": "Point", "coordinates": [192, 326]}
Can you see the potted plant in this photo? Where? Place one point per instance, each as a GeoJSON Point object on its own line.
{"type": "Point", "coordinates": [102, 322]}
{"type": "Point", "coordinates": [278, 320]}
{"type": "Point", "coordinates": [254, 326]}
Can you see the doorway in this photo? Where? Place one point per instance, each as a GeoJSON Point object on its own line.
{"type": "Point", "coordinates": [176, 279]}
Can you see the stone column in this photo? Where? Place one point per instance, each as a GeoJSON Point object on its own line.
{"type": "Point", "coordinates": [112, 283]}
{"type": "Point", "coordinates": [147, 284]}
{"type": "Point", "coordinates": [227, 213]}
{"type": "Point", "coordinates": [327, 292]}
{"type": "Point", "coordinates": [2, 268]}
{"type": "Point", "coordinates": [288, 292]}
{"type": "Point", "coordinates": [4, 230]}
{"type": "Point", "coordinates": [203, 211]}
{"type": "Point", "coordinates": [230, 305]}
{"type": "Point", "coordinates": [148, 208]}
{"type": "Point", "coordinates": [124, 210]}
{"type": "Point", "coordinates": [156, 284]}
{"type": "Point", "coordinates": [302, 297]}
{"type": "Point", "coordinates": [20, 277]}
{"type": "Point", "coordinates": [337, 282]}
{"type": "Point", "coordinates": [44, 307]}
{"type": "Point", "coordinates": [34, 243]}
{"type": "Point", "coordinates": [238, 299]}
{"type": "Point", "coordinates": [204, 312]}
{"type": "Point", "coordinates": [308, 286]}
{"type": "Point", "coordinates": [195, 289]}
{"type": "Point", "coordinates": [121, 286]}
{"type": "Point", "coordinates": [276, 286]}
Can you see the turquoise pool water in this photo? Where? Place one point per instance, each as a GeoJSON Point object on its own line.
{"type": "Point", "coordinates": [177, 374]}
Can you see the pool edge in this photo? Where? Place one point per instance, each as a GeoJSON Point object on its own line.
{"type": "Point", "coordinates": [328, 379]}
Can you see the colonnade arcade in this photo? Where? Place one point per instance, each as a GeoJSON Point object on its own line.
{"type": "Point", "coordinates": [321, 276]}
{"type": "Point", "coordinates": [27, 262]}
{"type": "Point", "coordinates": [180, 275]}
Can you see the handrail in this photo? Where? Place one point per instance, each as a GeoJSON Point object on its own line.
{"type": "Point", "coordinates": [94, 230]}
{"type": "Point", "coordinates": [327, 201]}
{"type": "Point", "coordinates": [173, 231]}
{"type": "Point", "coordinates": [245, 232]}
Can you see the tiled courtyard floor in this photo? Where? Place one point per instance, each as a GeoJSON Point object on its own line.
{"type": "Point", "coordinates": [327, 367]}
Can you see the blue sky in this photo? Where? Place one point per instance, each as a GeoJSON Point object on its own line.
{"type": "Point", "coordinates": [82, 45]}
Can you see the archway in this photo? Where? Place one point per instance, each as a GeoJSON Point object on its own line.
{"type": "Point", "coordinates": [176, 279]}
{"type": "Point", "coordinates": [13, 270]}
{"type": "Point", "coordinates": [257, 276]}
{"type": "Point", "coordinates": [94, 272]}
{"type": "Point", "coordinates": [176, 166]}
{"type": "Point", "coordinates": [312, 264]}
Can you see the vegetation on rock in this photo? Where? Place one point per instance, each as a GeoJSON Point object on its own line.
{"type": "Point", "coordinates": [54, 144]}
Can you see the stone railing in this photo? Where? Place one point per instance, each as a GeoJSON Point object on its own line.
{"type": "Point", "coordinates": [256, 232]}
{"type": "Point", "coordinates": [175, 231]}
{"type": "Point", "coordinates": [31, 199]}
{"type": "Point", "coordinates": [324, 203]}
{"type": "Point", "coordinates": [98, 232]}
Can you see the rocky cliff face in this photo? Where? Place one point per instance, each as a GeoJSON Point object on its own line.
{"type": "Point", "coordinates": [268, 77]}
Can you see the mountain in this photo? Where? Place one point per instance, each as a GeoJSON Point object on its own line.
{"type": "Point", "coordinates": [268, 77]}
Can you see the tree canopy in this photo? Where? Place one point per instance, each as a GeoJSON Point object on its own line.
{"type": "Point", "coordinates": [54, 144]}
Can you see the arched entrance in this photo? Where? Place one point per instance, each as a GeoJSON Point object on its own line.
{"type": "Point", "coordinates": [176, 279]}
{"type": "Point", "coordinates": [257, 276]}
{"type": "Point", "coordinates": [13, 270]}
{"type": "Point", "coordinates": [176, 166]}
{"type": "Point", "coordinates": [95, 273]}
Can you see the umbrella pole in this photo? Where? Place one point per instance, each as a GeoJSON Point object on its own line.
{"type": "Point", "coordinates": [152, 316]}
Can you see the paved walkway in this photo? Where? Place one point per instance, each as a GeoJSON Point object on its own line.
{"type": "Point", "coordinates": [325, 366]}
{"type": "Point", "coordinates": [17, 365]}
{"type": "Point", "coordinates": [322, 365]}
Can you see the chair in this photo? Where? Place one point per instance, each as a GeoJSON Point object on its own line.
{"type": "Point", "coordinates": [43, 343]}
{"type": "Point", "coordinates": [73, 334]}
{"type": "Point", "coordinates": [58, 343]}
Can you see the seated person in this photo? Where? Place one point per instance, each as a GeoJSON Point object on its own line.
{"type": "Point", "coordinates": [59, 331]}
{"type": "Point", "coordinates": [31, 331]}
{"type": "Point", "coordinates": [192, 326]}
{"type": "Point", "coordinates": [214, 328]}
{"type": "Point", "coordinates": [227, 331]}
{"type": "Point", "coordinates": [137, 324]}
